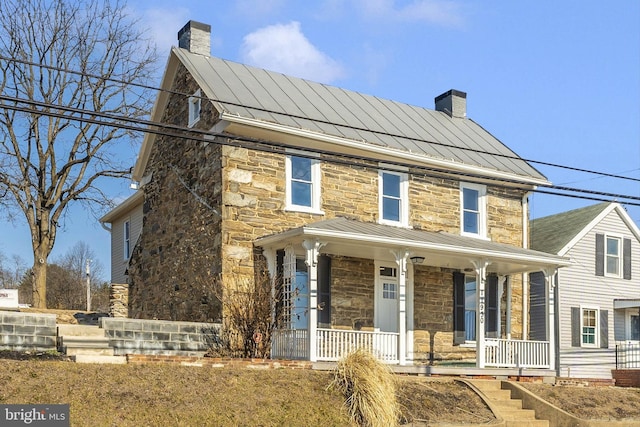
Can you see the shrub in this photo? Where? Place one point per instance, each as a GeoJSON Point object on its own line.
{"type": "Point", "coordinates": [369, 389]}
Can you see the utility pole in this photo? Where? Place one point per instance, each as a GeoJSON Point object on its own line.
{"type": "Point", "coordinates": [88, 285]}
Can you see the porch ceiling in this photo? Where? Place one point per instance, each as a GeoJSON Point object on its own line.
{"type": "Point", "coordinates": [345, 237]}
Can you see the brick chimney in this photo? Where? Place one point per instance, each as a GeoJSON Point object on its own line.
{"type": "Point", "coordinates": [452, 102]}
{"type": "Point", "coordinates": [196, 38]}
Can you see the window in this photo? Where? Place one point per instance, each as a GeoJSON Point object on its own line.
{"type": "Point", "coordinates": [632, 320]}
{"type": "Point", "coordinates": [394, 194]}
{"type": "Point", "coordinates": [472, 212]}
{"type": "Point", "coordinates": [127, 239]}
{"type": "Point", "coordinates": [465, 308]}
{"type": "Point", "coordinates": [470, 308]}
{"type": "Point", "coordinates": [195, 102]}
{"type": "Point", "coordinates": [589, 327]}
{"type": "Point", "coordinates": [303, 184]}
{"type": "Point", "coordinates": [613, 256]}
{"type": "Point", "coordinates": [612, 263]}
{"type": "Point", "coordinates": [389, 291]}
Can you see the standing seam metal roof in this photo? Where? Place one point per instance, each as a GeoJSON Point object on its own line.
{"type": "Point", "coordinates": [272, 97]}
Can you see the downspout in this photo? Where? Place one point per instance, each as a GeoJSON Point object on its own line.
{"type": "Point", "coordinates": [103, 225]}
{"type": "Point", "coordinates": [525, 276]}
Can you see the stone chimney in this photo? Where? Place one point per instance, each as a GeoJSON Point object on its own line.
{"type": "Point", "coordinates": [196, 38]}
{"type": "Point", "coordinates": [453, 102]}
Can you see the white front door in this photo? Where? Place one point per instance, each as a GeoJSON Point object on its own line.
{"type": "Point", "coordinates": [386, 298]}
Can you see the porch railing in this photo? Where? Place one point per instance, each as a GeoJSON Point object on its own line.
{"type": "Point", "coordinates": [290, 344]}
{"type": "Point", "coordinates": [500, 353]}
{"type": "Point", "coordinates": [334, 344]}
{"type": "Point", "coordinates": [628, 355]}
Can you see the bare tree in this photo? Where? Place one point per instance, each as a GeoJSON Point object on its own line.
{"type": "Point", "coordinates": [12, 270]}
{"type": "Point", "coordinates": [69, 286]}
{"type": "Point", "coordinates": [52, 153]}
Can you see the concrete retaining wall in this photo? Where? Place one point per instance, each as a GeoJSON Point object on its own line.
{"type": "Point", "coordinates": [156, 337]}
{"type": "Point", "coordinates": [27, 331]}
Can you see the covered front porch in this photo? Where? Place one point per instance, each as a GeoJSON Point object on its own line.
{"type": "Point", "coordinates": [410, 297]}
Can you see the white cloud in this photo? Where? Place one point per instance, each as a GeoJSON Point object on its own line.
{"type": "Point", "coordinates": [162, 26]}
{"type": "Point", "coordinates": [284, 48]}
{"type": "Point", "coordinates": [442, 12]}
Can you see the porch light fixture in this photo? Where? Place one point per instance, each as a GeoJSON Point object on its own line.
{"type": "Point", "coordinates": [417, 259]}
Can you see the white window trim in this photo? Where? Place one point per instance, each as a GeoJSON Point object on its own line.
{"type": "Point", "coordinates": [620, 239]}
{"type": "Point", "coordinates": [126, 242]}
{"type": "Point", "coordinates": [596, 344]}
{"type": "Point", "coordinates": [195, 99]}
{"type": "Point", "coordinates": [316, 175]}
{"type": "Point", "coordinates": [404, 199]}
{"type": "Point", "coordinates": [482, 210]}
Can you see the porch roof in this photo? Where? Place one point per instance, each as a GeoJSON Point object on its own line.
{"type": "Point", "coordinates": [345, 237]}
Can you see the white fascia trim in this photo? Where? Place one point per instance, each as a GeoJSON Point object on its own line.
{"type": "Point", "coordinates": [552, 260]}
{"type": "Point", "coordinates": [412, 157]}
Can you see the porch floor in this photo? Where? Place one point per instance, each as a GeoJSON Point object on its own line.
{"type": "Point", "coordinates": [545, 375]}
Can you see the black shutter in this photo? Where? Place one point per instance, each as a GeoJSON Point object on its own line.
{"type": "Point", "coordinates": [491, 324]}
{"type": "Point", "coordinates": [324, 290]}
{"type": "Point", "coordinates": [599, 254]}
{"type": "Point", "coordinates": [537, 307]}
{"type": "Point", "coordinates": [576, 335]}
{"type": "Point", "coordinates": [604, 329]}
{"type": "Point", "coordinates": [626, 259]}
{"type": "Point", "coordinates": [458, 308]}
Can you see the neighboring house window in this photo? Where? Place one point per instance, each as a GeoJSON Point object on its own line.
{"type": "Point", "coordinates": [589, 327]}
{"type": "Point", "coordinates": [473, 210]}
{"type": "Point", "coordinates": [303, 184]}
{"type": "Point", "coordinates": [613, 256]}
{"type": "Point", "coordinates": [465, 307]}
{"type": "Point", "coordinates": [127, 239]}
{"type": "Point", "coordinates": [195, 102]}
{"type": "Point", "coordinates": [394, 195]}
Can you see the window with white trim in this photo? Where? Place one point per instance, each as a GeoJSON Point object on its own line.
{"type": "Point", "coordinates": [473, 217]}
{"type": "Point", "coordinates": [394, 198]}
{"type": "Point", "coordinates": [195, 103]}
{"type": "Point", "coordinates": [303, 184]}
{"type": "Point", "coordinates": [613, 260]}
{"type": "Point", "coordinates": [589, 324]}
{"type": "Point", "coordinates": [127, 239]}
{"type": "Point", "coordinates": [632, 330]}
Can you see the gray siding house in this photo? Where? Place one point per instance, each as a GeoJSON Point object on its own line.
{"type": "Point", "coordinates": [126, 226]}
{"type": "Point", "coordinates": [598, 296]}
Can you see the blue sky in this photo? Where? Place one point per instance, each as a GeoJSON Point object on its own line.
{"type": "Point", "coordinates": [557, 82]}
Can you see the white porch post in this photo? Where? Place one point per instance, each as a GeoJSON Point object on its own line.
{"type": "Point", "coordinates": [401, 260]}
{"type": "Point", "coordinates": [507, 321]}
{"type": "Point", "coordinates": [550, 303]}
{"type": "Point", "coordinates": [313, 248]}
{"type": "Point", "coordinates": [481, 277]}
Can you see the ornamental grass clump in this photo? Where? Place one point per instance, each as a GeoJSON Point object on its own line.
{"type": "Point", "coordinates": [369, 389]}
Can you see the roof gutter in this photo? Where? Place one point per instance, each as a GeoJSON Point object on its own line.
{"type": "Point", "coordinates": [384, 152]}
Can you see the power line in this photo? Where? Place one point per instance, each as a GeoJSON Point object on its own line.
{"type": "Point", "coordinates": [260, 145]}
{"type": "Point", "coordinates": [472, 150]}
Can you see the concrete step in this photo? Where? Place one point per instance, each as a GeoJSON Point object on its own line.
{"type": "Point", "coordinates": [71, 341]}
{"type": "Point", "coordinates": [527, 423]}
{"type": "Point", "coordinates": [80, 330]}
{"type": "Point", "coordinates": [87, 351]}
{"type": "Point", "coordinates": [88, 358]}
{"type": "Point", "coordinates": [510, 410]}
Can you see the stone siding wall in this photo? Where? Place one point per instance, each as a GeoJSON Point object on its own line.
{"type": "Point", "coordinates": [174, 268]}
{"type": "Point", "coordinates": [27, 331]}
{"type": "Point", "coordinates": [352, 293]}
{"type": "Point", "coordinates": [157, 337]}
{"type": "Point", "coordinates": [119, 300]}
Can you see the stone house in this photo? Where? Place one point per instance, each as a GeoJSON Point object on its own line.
{"type": "Point", "coordinates": [390, 226]}
{"type": "Point", "coordinates": [598, 297]}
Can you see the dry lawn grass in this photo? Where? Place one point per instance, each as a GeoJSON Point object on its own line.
{"type": "Point", "coordinates": [162, 395]}
{"type": "Point", "coordinates": [598, 403]}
